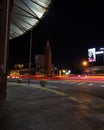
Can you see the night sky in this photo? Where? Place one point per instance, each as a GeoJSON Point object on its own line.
{"type": "Point", "coordinates": [72, 27]}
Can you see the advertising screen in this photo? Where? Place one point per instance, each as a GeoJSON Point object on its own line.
{"type": "Point", "coordinates": [92, 55]}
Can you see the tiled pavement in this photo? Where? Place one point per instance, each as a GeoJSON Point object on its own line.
{"type": "Point", "coordinates": [35, 108]}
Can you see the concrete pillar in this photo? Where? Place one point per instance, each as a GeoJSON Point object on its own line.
{"type": "Point", "coordinates": [5, 8]}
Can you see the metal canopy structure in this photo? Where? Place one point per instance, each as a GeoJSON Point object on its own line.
{"type": "Point", "coordinates": [26, 14]}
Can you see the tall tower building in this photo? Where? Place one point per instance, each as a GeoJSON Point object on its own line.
{"type": "Point", "coordinates": [47, 59]}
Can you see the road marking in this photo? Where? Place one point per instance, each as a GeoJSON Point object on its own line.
{"type": "Point", "coordinates": [72, 83]}
{"type": "Point", "coordinates": [53, 81]}
{"type": "Point", "coordinates": [102, 85]}
{"type": "Point", "coordinates": [90, 84]}
{"type": "Point", "coordinates": [81, 83]}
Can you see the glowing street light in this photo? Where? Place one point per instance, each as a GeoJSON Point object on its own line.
{"type": "Point", "coordinates": [84, 63]}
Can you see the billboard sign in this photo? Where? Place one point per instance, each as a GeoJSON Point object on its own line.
{"type": "Point", "coordinates": [91, 55]}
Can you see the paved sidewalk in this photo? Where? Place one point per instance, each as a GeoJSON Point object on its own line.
{"type": "Point", "coordinates": [35, 108]}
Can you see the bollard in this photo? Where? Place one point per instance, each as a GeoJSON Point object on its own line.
{"type": "Point", "coordinates": [43, 83]}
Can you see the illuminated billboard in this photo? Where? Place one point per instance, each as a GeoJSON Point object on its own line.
{"type": "Point", "coordinates": [91, 55]}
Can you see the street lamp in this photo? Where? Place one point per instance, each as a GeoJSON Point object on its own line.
{"type": "Point", "coordinates": [84, 63]}
{"type": "Point", "coordinates": [30, 57]}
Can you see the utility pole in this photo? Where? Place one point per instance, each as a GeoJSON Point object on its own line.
{"type": "Point", "coordinates": [30, 51]}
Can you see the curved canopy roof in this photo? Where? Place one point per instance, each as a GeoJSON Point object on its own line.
{"type": "Point", "coordinates": [26, 14]}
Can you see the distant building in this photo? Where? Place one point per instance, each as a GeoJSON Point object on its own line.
{"type": "Point", "coordinates": [39, 62]}
{"type": "Point", "coordinates": [96, 64]}
{"type": "Point", "coordinates": [96, 56]}
{"type": "Point", "coordinates": [47, 59]}
{"type": "Point", "coordinates": [43, 62]}
{"type": "Point", "coordinates": [95, 70]}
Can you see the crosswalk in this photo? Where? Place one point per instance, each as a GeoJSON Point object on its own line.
{"type": "Point", "coordinates": [75, 83]}
{"type": "Point", "coordinates": [96, 84]}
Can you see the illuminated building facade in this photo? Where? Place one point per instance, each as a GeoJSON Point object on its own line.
{"type": "Point", "coordinates": [39, 62]}
{"type": "Point", "coordinates": [96, 61]}
{"type": "Point", "coordinates": [96, 56]}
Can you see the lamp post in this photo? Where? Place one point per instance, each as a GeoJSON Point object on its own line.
{"type": "Point", "coordinates": [30, 57]}
{"type": "Point", "coordinates": [84, 63]}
